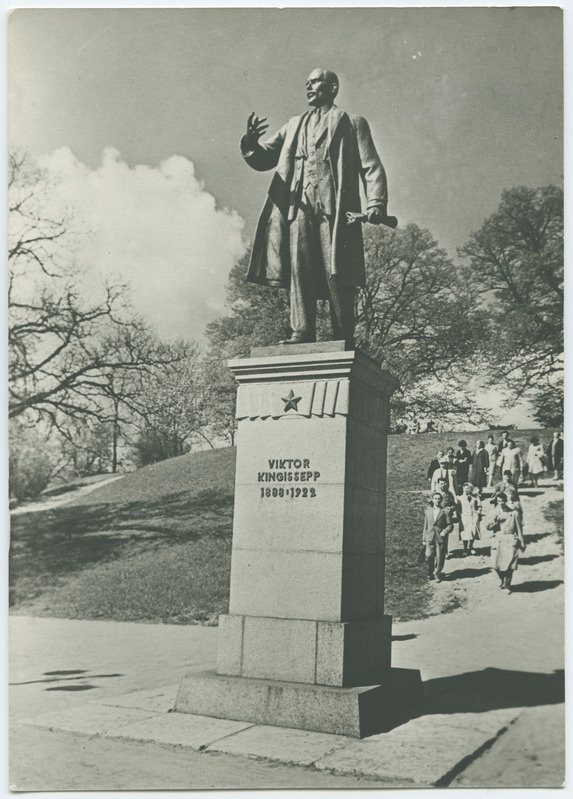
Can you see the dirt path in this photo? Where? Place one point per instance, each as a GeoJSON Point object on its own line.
{"type": "Point", "coordinates": [62, 499]}
{"type": "Point", "coordinates": [470, 583]}
{"type": "Point", "coordinates": [495, 649]}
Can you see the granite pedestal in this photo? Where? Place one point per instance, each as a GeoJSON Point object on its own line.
{"type": "Point", "coordinates": [306, 642]}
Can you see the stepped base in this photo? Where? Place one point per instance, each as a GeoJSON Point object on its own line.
{"type": "Point", "coordinates": [357, 712]}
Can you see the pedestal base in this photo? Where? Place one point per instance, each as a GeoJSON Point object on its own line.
{"type": "Point", "coordinates": [356, 712]}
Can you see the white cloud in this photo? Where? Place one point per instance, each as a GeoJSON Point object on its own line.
{"type": "Point", "coordinates": [157, 228]}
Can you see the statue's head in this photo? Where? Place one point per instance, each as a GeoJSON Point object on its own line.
{"type": "Point", "coordinates": [321, 87]}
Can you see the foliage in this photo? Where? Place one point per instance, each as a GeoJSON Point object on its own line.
{"type": "Point", "coordinates": [219, 392]}
{"type": "Point", "coordinates": [170, 405]}
{"type": "Point", "coordinates": [549, 410]}
{"type": "Point", "coordinates": [87, 446]}
{"type": "Point", "coordinates": [33, 461]}
{"type": "Point", "coordinates": [258, 316]}
{"type": "Point", "coordinates": [515, 269]}
{"type": "Point", "coordinates": [416, 316]}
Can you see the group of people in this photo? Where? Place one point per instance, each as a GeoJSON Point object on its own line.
{"type": "Point", "coordinates": [415, 425]}
{"type": "Point", "coordinates": [457, 481]}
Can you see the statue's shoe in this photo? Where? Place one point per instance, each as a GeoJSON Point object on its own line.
{"type": "Point", "coordinates": [297, 340]}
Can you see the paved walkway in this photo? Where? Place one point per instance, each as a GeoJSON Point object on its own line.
{"type": "Point", "coordinates": [89, 699]}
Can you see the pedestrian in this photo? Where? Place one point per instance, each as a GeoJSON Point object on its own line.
{"type": "Point", "coordinates": [508, 540]}
{"type": "Point", "coordinates": [480, 466]}
{"type": "Point", "coordinates": [502, 443]}
{"type": "Point", "coordinates": [491, 449]}
{"type": "Point", "coordinates": [451, 456]}
{"type": "Point", "coordinates": [435, 463]}
{"type": "Point", "coordinates": [512, 460]}
{"type": "Point", "coordinates": [448, 498]}
{"type": "Point", "coordinates": [463, 459]}
{"type": "Point", "coordinates": [505, 486]}
{"type": "Point", "coordinates": [535, 460]}
{"type": "Point", "coordinates": [555, 456]}
{"type": "Point", "coordinates": [446, 472]}
{"type": "Point", "coordinates": [437, 527]}
{"type": "Point", "coordinates": [514, 503]}
{"type": "Point", "coordinates": [469, 515]}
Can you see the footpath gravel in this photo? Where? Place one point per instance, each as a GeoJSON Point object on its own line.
{"type": "Point", "coordinates": [89, 699]}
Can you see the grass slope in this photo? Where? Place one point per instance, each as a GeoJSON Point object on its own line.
{"type": "Point", "coordinates": [156, 545]}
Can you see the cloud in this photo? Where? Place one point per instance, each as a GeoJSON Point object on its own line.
{"type": "Point", "coordinates": [156, 227]}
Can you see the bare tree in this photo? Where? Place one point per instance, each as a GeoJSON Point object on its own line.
{"type": "Point", "coordinates": [67, 345]}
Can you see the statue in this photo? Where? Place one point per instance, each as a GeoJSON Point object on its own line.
{"type": "Point", "coordinates": [308, 238]}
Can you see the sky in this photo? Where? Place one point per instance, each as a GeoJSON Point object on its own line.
{"type": "Point", "coordinates": [139, 113]}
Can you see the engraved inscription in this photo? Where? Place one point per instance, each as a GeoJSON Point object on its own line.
{"type": "Point", "coordinates": [288, 470]}
{"type": "Point", "coordinates": [293, 491]}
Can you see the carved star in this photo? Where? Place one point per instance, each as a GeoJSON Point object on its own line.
{"type": "Point", "coordinates": [291, 401]}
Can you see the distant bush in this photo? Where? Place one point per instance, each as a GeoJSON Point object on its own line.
{"type": "Point", "coordinates": [32, 462]}
{"type": "Point", "coordinates": [154, 446]}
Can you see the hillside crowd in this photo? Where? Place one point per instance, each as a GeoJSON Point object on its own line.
{"type": "Point", "coordinates": [460, 481]}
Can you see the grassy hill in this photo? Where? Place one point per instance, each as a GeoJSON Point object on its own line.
{"type": "Point", "coordinates": [156, 545]}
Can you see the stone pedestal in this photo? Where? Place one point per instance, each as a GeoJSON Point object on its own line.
{"type": "Point", "coordinates": [306, 628]}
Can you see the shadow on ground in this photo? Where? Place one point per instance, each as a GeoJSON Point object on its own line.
{"type": "Point", "coordinates": [461, 574]}
{"type": "Point", "coordinates": [534, 537]}
{"type": "Point", "coordinates": [76, 676]}
{"type": "Point", "coordinates": [493, 689]}
{"type": "Point", "coordinates": [534, 586]}
{"type": "Point", "coordinates": [535, 559]}
{"type": "Point", "coordinates": [49, 546]}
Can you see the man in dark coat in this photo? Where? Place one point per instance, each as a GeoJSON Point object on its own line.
{"type": "Point", "coordinates": [303, 241]}
{"type": "Point", "coordinates": [435, 464]}
{"type": "Point", "coordinates": [555, 456]}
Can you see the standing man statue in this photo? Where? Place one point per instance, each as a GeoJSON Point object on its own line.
{"type": "Point", "coordinates": [304, 241]}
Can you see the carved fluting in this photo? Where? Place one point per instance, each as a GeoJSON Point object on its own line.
{"type": "Point", "coordinates": [271, 400]}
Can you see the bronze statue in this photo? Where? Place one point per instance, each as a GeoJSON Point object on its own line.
{"type": "Point", "coordinates": [308, 238]}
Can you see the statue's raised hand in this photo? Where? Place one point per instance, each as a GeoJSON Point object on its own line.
{"type": "Point", "coordinates": [256, 127]}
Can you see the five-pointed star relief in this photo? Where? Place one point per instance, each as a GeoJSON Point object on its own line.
{"type": "Point", "coordinates": [291, 401]}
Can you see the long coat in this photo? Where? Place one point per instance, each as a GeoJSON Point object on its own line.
{"type": "Point", "coordinates": [351, 156]}
{"type": "Point", "coordinates": [508, 542]}
{"type": "Point", "coordinates": [462, 463]}
{"type": "Point", "coordinates": [555, 455]}
{"type": "Point", "coordinates": [479, 467]}
{"type": "Point", "coordinates": [469, 514]}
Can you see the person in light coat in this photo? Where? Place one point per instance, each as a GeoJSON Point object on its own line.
{"type": "Point", "coordinates": [469, 515]}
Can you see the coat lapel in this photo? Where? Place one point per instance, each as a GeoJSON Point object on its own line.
{"type": "Point", "coordinates": [334, 118]}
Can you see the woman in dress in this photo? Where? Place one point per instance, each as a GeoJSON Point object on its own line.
{"type": "Point", "coordinates": [508, 541]}
{"type": "Point", "coordinates": [514, 503]}
{"type": "Point", "coordinates": [535, 459]}
{"type": "Point", "coordinates": [462, 460]}
{"type": "Point", "coordinates": [469, 515]}
{"type": "Point", "coordinates": [492, 452]}
{"type": "Point", "coordinates": [480, 466]}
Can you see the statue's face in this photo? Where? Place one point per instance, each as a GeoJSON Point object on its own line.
{"type": "Point", "coordinates": [319, 91]}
